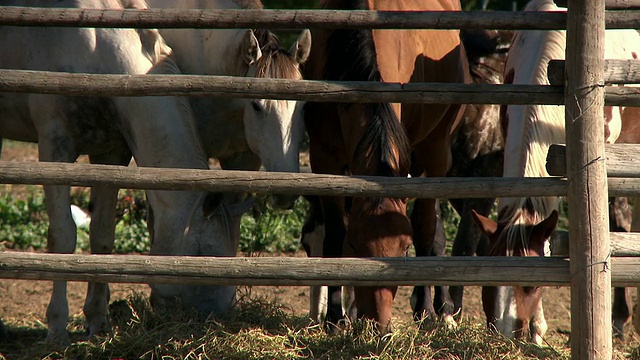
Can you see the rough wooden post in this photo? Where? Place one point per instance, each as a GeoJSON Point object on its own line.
{"type": "Point", "coordinates": [587, 193]}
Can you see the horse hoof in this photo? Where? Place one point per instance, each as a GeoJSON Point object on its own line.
{"type": "Point", "coordinates": [60, 339]}
{"type": "Point", "coordinates": [536, 339]}
{"type": "Point", "coordinates": [3, 331]}
{"type": "Point", "coordinates": [449, 322]}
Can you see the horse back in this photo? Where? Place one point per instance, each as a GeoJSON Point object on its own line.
{"type": "Point", "coordinates": [423, 56]}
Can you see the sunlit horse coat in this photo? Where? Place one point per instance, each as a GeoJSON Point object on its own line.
{"type": "Point", "coordinates": [158, 131]}
{"type": "Point", "coordinates": [242, 133]}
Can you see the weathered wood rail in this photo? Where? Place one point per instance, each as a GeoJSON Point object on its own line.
{"type": "Point", "coordinates": [298, 19]}
{"type": "Point", "coordinates": [616, 71]}
{"type": "Point", "coordinates": [47, 173]}
{"type": "Point", "coordinates": [621, 160]}
{"type": "Point", "coordinates": [622, 244]}
{"type": "Point", "coordinates": [44, 82]}
{"type": "Point", "coordinates": [301, 271]}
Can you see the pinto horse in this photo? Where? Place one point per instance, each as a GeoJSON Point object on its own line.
{"type": "Point", "coordinates": [529, 130]}
{"type": "Point", "coordinates": [383, 139]}
{"type": "Point", "coordinates": [157, 131]}
{"type": "Point", "coordinates": [242, 133]}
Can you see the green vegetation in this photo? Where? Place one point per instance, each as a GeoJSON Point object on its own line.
{"type": "Point", "coordinates": [24, 223]}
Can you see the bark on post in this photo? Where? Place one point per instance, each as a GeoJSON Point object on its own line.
{"type": "Point", "coordinates": [587, 193]}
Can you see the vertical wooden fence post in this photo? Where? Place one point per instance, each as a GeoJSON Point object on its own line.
{"type": "Point", "coordinates": [587, 193]}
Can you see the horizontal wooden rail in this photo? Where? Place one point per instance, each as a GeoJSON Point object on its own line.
{"type": "Point", "coordinates": [42, 173]}
{"type": "Point", "coordinates": [531, 271]}
{"type": "Point", "coordinates": [615, 72]}
{"type": "Point", "coordinates": [287, 19]}
{"type": "Point", "coordinates": [44, 82]}
{"type": "Point", "coordinates": [299, 19]}
{"type": "Point", "coordinates": [622, 244]}
{"type": "Point", "coordinates": [623, 160]}
{"type": "Point", "coordinates": [241, 87]}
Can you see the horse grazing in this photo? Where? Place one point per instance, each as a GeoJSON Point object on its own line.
{"type": "Point", "coordinates": [383, 139]}
{"type": "Point", "coordinates": [242, 133]}
{"type": "Point", "coordinates": [157, 131]}
{"type": "Point", "coordinates": [477, 150]}
{"type": "Point", "coordinates": [529, 130]}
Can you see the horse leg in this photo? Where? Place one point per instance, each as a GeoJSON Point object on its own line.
{"type": "Point", "coordinates": [426, 243]}
{"type": "Point", "coordinates": [312, 240]}
{"type": "Point", "coordinates": [620, 220]}
{"type": "Point", "coordinates": [102, 236]}
{"type": "Point", "coordinates": [61, 239]}
{"type": "Point", "coordinates": [468, 241]}
{"type": "Point", "coordinates": [635, 227]}
{"type": "Point", "coordinates": [636, 314]}
{"type": "Point", "coordinates": [335, 230]}
{"type": "Point", "coordinates": [620, 311]}
{"type": "Point", "coordinates": [55, 145]}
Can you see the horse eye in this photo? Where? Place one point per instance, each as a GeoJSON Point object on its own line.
{"type": "Point", "coordinates": [256, 106]}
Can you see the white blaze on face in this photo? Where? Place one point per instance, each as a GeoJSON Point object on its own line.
{"type": "Point", "coordinates": [505, 311]}
{"type": "Point", "coordinates": [274, 129]}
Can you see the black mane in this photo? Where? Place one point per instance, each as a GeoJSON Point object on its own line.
{"type": "Point", "coordinates": [351, 56]}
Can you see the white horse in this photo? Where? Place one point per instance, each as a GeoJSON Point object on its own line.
{"type": "Point", "coordinates": [158, 131]}
{"type": "Point", "coordinates": [530, 129]}
{"type": "Point", "coordinates": [242, 133]}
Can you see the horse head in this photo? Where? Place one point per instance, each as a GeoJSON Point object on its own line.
{"type": "Point", "coordinates": [513, 310]}
{"type": "Point", "coordinates": [377, 228]}
{"type": "Point", "coordinates": [211, 229]}
{"type": "Point", "coordinates": [274, 128]}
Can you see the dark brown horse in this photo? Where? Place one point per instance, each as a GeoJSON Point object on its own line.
{"type": "Point", "coordinates": [383, 139]}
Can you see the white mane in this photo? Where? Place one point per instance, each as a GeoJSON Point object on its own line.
{"type": "Point", "coordinates": [532, 128]}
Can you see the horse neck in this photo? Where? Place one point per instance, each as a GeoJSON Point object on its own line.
{"type": "Point", "coordinates": [207, 51]}
{"type": "Point", "coordinates": [531, 128]}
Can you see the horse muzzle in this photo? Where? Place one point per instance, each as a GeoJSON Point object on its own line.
{"type": "Point", "coordinates": [376, 303]}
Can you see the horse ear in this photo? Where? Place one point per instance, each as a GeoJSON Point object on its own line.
{"type": "Point", "coordinates": [238, 208]}
{"type": "Point", "coordinates": [301, 48]}
{"type": "Point", "coordinates": [486, 225]}
{"type": "Point", "coordinates": [211, 202]}
{"type": "Point", "coordinates": [250, 48]}
{"type": "Point", "coordinates": [542, 231]}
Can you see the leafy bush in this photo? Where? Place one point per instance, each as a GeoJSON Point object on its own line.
{"type": "Point", "coordinates": [23, 222]}
{"type": "Point", "coordinates": [265, 229]}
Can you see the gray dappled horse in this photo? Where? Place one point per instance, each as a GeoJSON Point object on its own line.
{"type": "Point", "coordinates": [157, 131]}
{"type": "Point", "coordinates": [242, 133]}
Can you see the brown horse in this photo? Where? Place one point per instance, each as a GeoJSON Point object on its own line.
{"type": "Point", "coordinates": [383, 139]}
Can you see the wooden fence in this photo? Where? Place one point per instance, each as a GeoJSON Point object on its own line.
{"type": "Point", "coordinates": [586, 272]}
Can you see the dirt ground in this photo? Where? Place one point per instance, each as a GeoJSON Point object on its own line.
{"type": "Point", "coordinates": [24, 302]}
